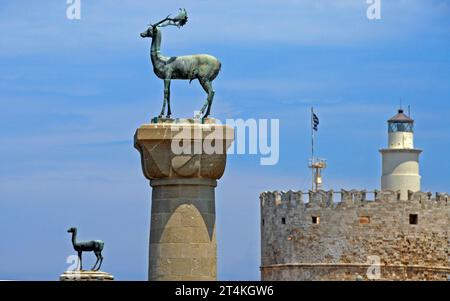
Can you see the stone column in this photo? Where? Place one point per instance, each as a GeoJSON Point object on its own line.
{"type": "Point", "coordinates": [183, 161]}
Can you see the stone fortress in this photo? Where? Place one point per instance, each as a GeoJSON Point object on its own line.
{"type": "Point", "coordinates": [396, 233]}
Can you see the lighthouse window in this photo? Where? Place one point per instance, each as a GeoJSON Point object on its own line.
{"type": "Point", "coordinates": [283, 220]}
{"type": "Point", "coordinates": [413, 219]}
{"type": "Point", "coordinates": [315, 219]}
{"type": "Point", "coordinates": [400, 127]}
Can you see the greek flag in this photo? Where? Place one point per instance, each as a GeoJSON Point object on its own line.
{"type": "Point", "coordinates": [315, 121]}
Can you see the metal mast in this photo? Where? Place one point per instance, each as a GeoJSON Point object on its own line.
{"type": "Point", "coordinates": [316, 164]}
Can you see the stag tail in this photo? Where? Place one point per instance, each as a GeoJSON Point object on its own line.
{"type": "Point", "coordinates": [217, 70]}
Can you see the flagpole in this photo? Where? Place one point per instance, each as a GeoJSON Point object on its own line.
{"type": "Point", "coordinates": [312, 148]}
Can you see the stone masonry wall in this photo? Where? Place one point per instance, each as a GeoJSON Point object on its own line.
{"type": "Point", "coordinates": [312, 237]}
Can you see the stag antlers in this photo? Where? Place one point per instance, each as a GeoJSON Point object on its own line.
{"type": "Point", "coordinates": [178, 21]}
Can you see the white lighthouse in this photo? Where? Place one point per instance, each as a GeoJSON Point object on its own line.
{"type": "Point", "coordinates": [400, 159]}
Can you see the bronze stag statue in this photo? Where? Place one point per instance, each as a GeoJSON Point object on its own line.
{"type": "Point", "coordinates": [95, 246]}
{"type": "Point", "coordinates": [203, 67]}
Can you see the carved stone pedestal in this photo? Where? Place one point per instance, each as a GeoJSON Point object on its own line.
{"type": "Point", "coordinates": [183, 159]}
{"type": "Point", "coordinates": [86, 276]}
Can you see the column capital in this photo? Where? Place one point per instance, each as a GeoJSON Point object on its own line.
{"type": "Point", "coordinates": [183, 150]}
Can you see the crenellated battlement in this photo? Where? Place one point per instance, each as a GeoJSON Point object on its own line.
{"type": "Point", "coordinates": [333, 199]}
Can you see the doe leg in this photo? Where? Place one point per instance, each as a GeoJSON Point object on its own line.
{"type": "Point", "coordinates": [100, 264]}
{"type": "Point", "coordinates": [98, 258]}
{"type": "Point", "coordinates": [80, 260]}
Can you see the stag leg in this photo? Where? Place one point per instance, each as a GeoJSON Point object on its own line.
{"type": "Point", "coordinates": [207, 86]}
{"type": "Point", "coordinates": [165, 98]}
{"type": "Point", "coordinates": [167, 95]}
{"type": "Point", "coordinates": [210, 100]}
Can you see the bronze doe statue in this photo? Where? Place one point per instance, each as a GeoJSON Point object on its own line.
{"type": "Point", "coordinates": [203, 67]}
{"type": "Point", "coordinates": [95, 246]}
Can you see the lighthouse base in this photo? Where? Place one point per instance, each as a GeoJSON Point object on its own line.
{"type": "Point", "coordinates": [400, 171]}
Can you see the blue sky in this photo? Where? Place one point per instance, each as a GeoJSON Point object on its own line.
{"type": "Point", "coordinates": [72, 94]}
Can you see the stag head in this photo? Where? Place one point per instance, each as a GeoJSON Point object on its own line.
{"type": "Point", "coordinates": [179, 21]}
{"type": "Point", "coordinates": [148, 33]}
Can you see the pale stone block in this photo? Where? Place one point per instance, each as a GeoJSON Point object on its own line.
{"type": "Point", "coordinates": [177, 235]}
{"type": "Point", "coordinates": [200, 235]}
{"type": "Point", "coordinates": [181, 266]}
{"type": "Point", "coordinates": [191, 218]}
{"type": "Point", "coordinates": [174, 220]}
{"type": "Point", "coordinates": [171, 250]}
